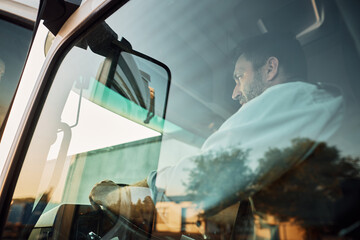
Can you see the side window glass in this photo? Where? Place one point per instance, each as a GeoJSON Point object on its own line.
{"type": "Point", "coordinates": [14, 45]}
{"type": "Point", "coordinates": [140, 137]}
{"type": "Point", "coordinates": [121, 95]}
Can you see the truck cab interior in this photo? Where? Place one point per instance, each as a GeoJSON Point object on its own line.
{"type": "Point", "coordinates": [145, 86]}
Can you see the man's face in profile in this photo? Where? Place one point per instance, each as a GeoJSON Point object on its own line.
{"type": "Point", "coordinates": [2, 69]}
{"type": "Point", "coordinates": [249, 82]}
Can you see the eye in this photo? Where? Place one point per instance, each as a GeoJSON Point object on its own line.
{"type": "Point", "coordinates": [238, 76]}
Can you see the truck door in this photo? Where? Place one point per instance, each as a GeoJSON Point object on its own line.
{"type": "Point", "coordinates": [141, 92]}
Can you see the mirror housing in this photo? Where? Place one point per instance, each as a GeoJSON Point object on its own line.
{"type": "Point", "coordinates": [132, 74]}
{"type": "Point", "coordinates": [56, 12]}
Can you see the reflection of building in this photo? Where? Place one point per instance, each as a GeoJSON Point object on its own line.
{"type": "Point", "coordinates": [178, 217]}
{"type": "Point", "coordinates": [183, 218]}
{"type": "Point", "coordinates": [282, 230]}
{"type": "Point", "coordinates": [19, 214]}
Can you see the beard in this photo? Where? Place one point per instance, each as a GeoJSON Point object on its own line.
{"type": "Point", "coordinates": [256, 87]}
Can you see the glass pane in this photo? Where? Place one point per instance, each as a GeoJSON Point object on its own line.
{"type": "Point", "coordinates": [14, 45]}
{"type": "Point", "coordinates": [140, 136]}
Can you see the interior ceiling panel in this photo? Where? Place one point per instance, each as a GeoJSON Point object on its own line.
{"type": "Point", "coordinates": [202, 70]}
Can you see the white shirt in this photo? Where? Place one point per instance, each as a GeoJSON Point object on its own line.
{"type": "Point", "coordinates": [272, 120]}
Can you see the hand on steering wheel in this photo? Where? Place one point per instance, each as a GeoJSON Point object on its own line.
{"type": "Point", "coordinates": [138, 208]}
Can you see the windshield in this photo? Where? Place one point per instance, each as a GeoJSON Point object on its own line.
{"type": "Point", "coordinates": [199, 120]}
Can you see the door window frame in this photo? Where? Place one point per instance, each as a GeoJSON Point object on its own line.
{"type": "Point", "coordinates": [17, 157]}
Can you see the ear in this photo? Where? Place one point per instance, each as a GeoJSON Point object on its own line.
{"type": "Point", "coordinates": [271, 68]}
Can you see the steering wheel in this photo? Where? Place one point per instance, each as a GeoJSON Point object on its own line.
{"type": "Point", "coordinates": [122, 227]}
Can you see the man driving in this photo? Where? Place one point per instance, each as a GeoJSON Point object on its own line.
{"type": "Point", "coordinates": [278, 106]}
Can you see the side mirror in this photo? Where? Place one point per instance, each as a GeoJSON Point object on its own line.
{"type": "Point", "coordinates": [139, 78]}
{"type": "Point", "coordinates": [136, 76]}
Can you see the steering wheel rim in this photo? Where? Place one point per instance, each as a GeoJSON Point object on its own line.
{"type": "Point", "coordinates": [124, 226]}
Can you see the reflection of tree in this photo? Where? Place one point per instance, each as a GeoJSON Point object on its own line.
{"type": "Point", "coordinates": [217, 175]}
{"type": "Point", "coordinates": [310, 191]}
{"type": "Point", "coordinates": [304, 182]}
{"type": "Point", "coordinates": [142, 212]}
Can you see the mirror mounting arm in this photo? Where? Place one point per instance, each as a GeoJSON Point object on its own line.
{"type": "Point", "coordinates": [56, 12]}
{"type": "Point", "coordinates": [151, 112]}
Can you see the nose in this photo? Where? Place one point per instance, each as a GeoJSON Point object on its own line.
{"type": "Point", "coordinates": [236, 92]}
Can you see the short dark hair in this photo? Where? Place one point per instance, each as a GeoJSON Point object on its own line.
{"type": "Point", "coordinates": [285, 47]}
